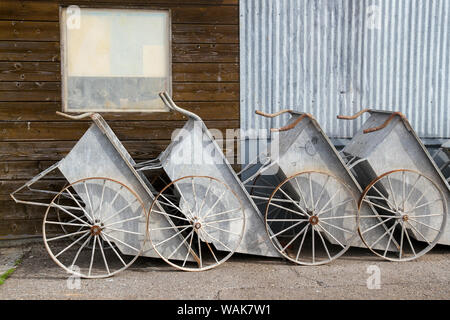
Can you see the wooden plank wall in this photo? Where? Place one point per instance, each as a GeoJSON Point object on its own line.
{"type": "Point", "coordinates": [205, 49]}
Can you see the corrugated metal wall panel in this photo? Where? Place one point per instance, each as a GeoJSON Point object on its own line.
{"type": "Point", "coordinates": [330, 57]}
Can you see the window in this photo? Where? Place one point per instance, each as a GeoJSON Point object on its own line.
{"type": "Point", "coordinates": [115, 59]}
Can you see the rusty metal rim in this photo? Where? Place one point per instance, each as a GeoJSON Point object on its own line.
{"type": "Point", "coordinates": [443, 223]}
{"type": "Point", "coordinates": [223, 259]}
{"type": "Point", "coordinates": [294, 176]}
{"type": "Point", "coordinates": [80, 274]}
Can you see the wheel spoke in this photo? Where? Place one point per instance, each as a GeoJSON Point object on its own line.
{"type": "Point", "coordinates": [220, 242]}
{"type": "Point", "coordinates": [204, 198]}
{"type": "Point", "coordinates": [125, 231]}
{"type": "Point", "coordinates": [212, 252]}
{"type": "Point", "coordinates": [122, 221]}
{"type": "Point", "coordinates": [412, 189]}
{"type": "Point", "coordinates": [401, 241]}
{"type": "Point", "coordinates": [78, 204]}
{"type": "Point", "coordinates": [72, 244]}
{"type": "Point", "coordinates": [190, 247]}
{"type": "Point", "coordinates": [120, 211]}
{"type": "Point", "coordinates": [286, 220]}
{"type": "Point", "coordinates": [381, 237]}
{"type": "Point", "coordinates": [101, 203]}
{"type": "Point", "coordinates": [176, 234]}
{"type": "Point", "coordinates": [379, 206]}
{"type": "Point", "coordinates": [338, 217]}
{"type": "Point", "coordinates": [305, 231]}
{"type": "Point", "coordinates": [120, 241]}
{"type": "Point", "coordinates": [301, 192]}
{"type": "Point", "coordinates": [104, 257]}
{"type": "Point", "coordinates": [69, 213]}
{"type": "Point", "coordinates": [90, 202]}
{"type": "Point", "coordinates": [217, 228]}
{"type": "Point", "coordinates": [377, 225]}
{"type": "Point", "coordinates": [214, 205]}
{"type": "Point", "coordinates": [66, 235]}
{"type": "Point", "coordinates": [179, 246]}
{"type": "Point", "coordinates": [169, 215]}
{"type": "Point", "coordinates": [184, 199]}
{"type": "Point", "coordinates": [66, 224]}
{"type": "Point", "coordinates": [226, 220]}
{"type": "Point", "coordinates": [391, 206]}
{"type": "Point", "coordinates": [80, 249]}
{"type": "Point", "coordinates": [113, 249]}
{"type": "Point", "coordinates": [293, 239]}
{"type": "Point", "coordinates": [329, 201]}
{"type": "Point", "coordinates": [311, 191]}
{"type": "Point", "coordinates": [424, 224]}
{"type": "Point", "coordinates": [287, 209]}
{"type": "Point", "coordinates": [324, 245]}
{"type": "Point", "coordinates": [293, 201]}
{"type": "Point", "coordinates": [225, 212]}
{"type": "Point", "coordinates": [333, 237]}
{"type": "Point", "coordinates": [284, 230]}
{"type": "Point", "coordinates": [92, 256]}
{"type": "Point", "coordinates": [321, 193]}
{"type": "Point", "coordinates": [168, 228]}
{"type": "Point", "coordinates": [423, 205]}
{"type": "Point", "coordinates": [193, 192]}
{"type": "Point", "coordinates": [410, 243]}
{"type": "Point", "coordinates": [390, 238]}
{"type": "Point", "coordinates": [392, 192]}
{"type": "Point", "coordinates": [336, 227]}
{"type": "Point", "coordinates": [200, 250]}
{"type": "Point", "coordinates": [336, 206]}
{"type": "Point", "coordinates": [312, 242]}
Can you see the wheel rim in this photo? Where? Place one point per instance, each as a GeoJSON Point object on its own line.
{"type": "Point", "coordinates": [410, 213]}
{"type": "Point", "coordinates": [101, 235]}
{"type": "Point", "coordinates": [204, 223]}
{"type": "Point", "coordinates": [311, 218]}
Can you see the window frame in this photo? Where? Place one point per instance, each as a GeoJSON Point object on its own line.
{"type": "Point", "coordinates": [63, 58]}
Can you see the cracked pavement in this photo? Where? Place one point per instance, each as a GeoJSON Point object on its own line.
{"type": "Point", "coordinates": [241, 277]}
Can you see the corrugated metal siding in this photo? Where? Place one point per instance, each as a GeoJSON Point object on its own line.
{"type": "Point", "coordinates": [330, 57]}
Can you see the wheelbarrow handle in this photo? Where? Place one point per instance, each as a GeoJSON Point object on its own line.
{"type": "Point", "coordinates": [356, 115]}
{"type": "Point", "coordinates": [165, 97]}
{"type": "Point", "coordinates": [78, 117]}
{"type": "Point", "coordinates": [293, 124]}
{"type": "Point", "coordinates": [384, 125]}
{"type": "Point", "coordinates": [273, 115]}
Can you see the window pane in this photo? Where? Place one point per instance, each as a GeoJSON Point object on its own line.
{"type": "Point", "coordinates": [116, 60]}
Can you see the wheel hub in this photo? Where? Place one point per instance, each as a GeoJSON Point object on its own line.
{"type": "Point", "coordinates": [405, 217]}
{"type": "Point", "coordinates": [197, 225]}
{"type": "Point", "coordinates": [314, 220]}
{"type": "Point", "coordinates": [96, 230]}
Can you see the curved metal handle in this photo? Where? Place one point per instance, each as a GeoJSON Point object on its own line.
{"type": "Point", "coordinates": [356, 115]}
{"type": "Point", "coordinates": [273, 115]}
{"type": "Point", "coordinates": [293, 124]}
{"type": "Point", "coordinates": [171, 105]}
{"type": "Point", "coordinates": [78, 117]}
{"type": "Point", "coordinates": [384, 125]}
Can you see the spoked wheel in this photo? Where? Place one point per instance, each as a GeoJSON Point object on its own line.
{"type": "Point", "coordinates": [410, 208]}
{"type": "Point", "coordinates": [95, 227]}
{"type": "Point", "coordinates": [196, 223]}
{"type": "Point", "coordinates": [311, 218]}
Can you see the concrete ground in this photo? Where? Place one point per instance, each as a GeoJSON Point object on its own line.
{"type": "Point", "coordinates": [241, 277]}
